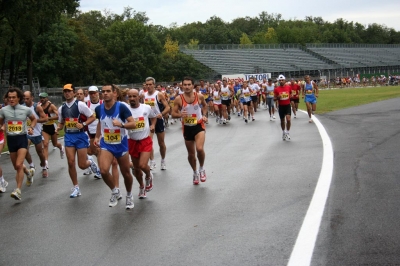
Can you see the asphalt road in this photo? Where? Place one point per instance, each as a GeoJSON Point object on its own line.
{"type": "Point", "coordinates": [249, 211]}
{"type": "Point", "coordinates": [360, 225]}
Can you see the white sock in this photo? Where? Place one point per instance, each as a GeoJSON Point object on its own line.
{"type": "Point", "coordinates": [201, 168]}
{"type": "Point", "coordinates": [115, 190]}
{"type": "Point", "coordinates": [1, 179]}
{"type": "Point", "coordinates": [129, 194]}
{"type": "Point", "coordinates": [32, 165]}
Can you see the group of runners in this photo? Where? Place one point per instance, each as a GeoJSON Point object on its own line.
{"type": "Point", "coordinates": [118, 129]}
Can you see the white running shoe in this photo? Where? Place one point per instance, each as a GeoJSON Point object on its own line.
{"type": "Point", "coordinates": [62, 152]}
{"type": "Point", "coordinates": [149, 183]}
{"type": "Point", "coordinates": [76, 192]}
{"type": "Point", "coordinates": [163, 165]}
{"type": "Point", "coordinates": [273, 117]}
{"type": "Point", "coordinates": [152, 165]}
{"type": "Point", "coordinates": [287, 136]}
{"type": "Point", "coordinates": [310, 121]}
{"type": "Point", "coordinates": [142, 193]}
{"type": "Point", "coordinates": [129, 202]}
{"type": "Point", "coordinates": [95, 168]}
{"type": "Point", "coordinates": [270, 118]}
{"type": "Point", "coordinates": [196, 177]}
{"type": "Point", "coordinates": [3, 186]}
{"type": "Point", "coordinates": [283, 136]}
{"type": "Point", "coordinates": [115, 197]}
{"type": "Point", "coordinates": [88, 171]}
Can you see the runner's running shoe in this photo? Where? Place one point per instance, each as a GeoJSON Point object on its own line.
{"type": "Point", "coordinates": [152, 165]}
{"type": "Point", "coordinates": [16, 194]}
{"type": "Point", "coordinates": [163, 166]}
{"type": "Point", "coordinates": [29, 176]}
{"type": "Point", "coordinates": [88, 171]}
{"type": "Point", "coordinates": [76, 192]}
{"type": "Point", "coordinates": [94, 166]}
{"type": "Point", "coordinates": [196, 177]}
{"type": "Point", "coordinates": [129, 202]}
{"type": "Point", "coordinates": [142, 193]}
{"type": "Point", "coordinates": [3, 186]}
{"type": "Point", "coordinates": [45, 173]}
{"type": "Point", "coordinates": [114, 198]}
{"type": "Point", "coordinates": [62, 152]}
{"type": "Point", "coordinates": [203, 176]}
{"type": "Point", "coordinates": [149, 183]}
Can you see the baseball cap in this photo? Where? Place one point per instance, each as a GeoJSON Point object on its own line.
{"type": "Point", "coordinates": [69, 87]}
{"type": "Point", "coordinates": [281, 77]}
{"type": "Point", "coordinates": [43, 95]}
{"type": "Point", "coordinates": [93, 88]}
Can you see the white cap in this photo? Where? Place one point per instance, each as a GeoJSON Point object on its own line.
{"type": "Point", "coordinates": [281, 77]}
{"type": "Point", "coordinates": [93, 88]}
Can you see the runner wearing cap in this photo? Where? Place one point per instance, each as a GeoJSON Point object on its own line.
{"type": "Point", "coordinates": [92, 103]}
{"type": "Point", "coordinates": [282, 95]}
{"type": "Point", "coordinates": [49, 128]}
{"type": "Point", "coordinates": [36, 137]}
{"type": "Point", "coordinates": [74, 115]}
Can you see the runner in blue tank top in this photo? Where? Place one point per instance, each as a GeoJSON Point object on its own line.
{"type": "Point", "coordinates": [310, 92]}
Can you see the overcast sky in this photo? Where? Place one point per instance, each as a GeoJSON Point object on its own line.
{"type": "Point", "coordinates": [166, 12]}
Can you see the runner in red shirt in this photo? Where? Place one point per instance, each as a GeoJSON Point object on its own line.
{"type": "Point", "coordinates": [282, 95]}
{"type": "Point", "coordinates": [294, 97]}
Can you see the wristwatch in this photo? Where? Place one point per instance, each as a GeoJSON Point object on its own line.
{"type": "Point", "coordinates": [122, 125]}
{"type": "Point", "coordinates": [84, 124]}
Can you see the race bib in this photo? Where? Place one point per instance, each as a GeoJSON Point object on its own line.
{"type": "Point", "coordinates": [247, 95]}
{"type": "Point", "coordinates": [190, 120]}
{"type": "Point", "coordinates": [14, 127]}
{"type": "Point", "coordinates": [271, 93]}
{"type": "Point", "coordinates": [308, 92]}
{"type": "Point", "coordinates": [112, 136]}
{"type": "Point", "coordinates": [28, 122]}
{"type": "Point", "coordinates": [150, 101]}
{"type": "Point", "coordinates": [140, 124]}
{"type": "Point", "coordinates": [294, 93]}
{"type": "Point", "coordinates": [216, 98]}
{"type": "Point", "coordinates": [51, 122]}
{"type": "Point", "coordinates": [70, 124]}
{"type": "Point", "coordinates": [284, 96]}
{"type": "Point", "coordinates": [171, 103]}
{"type": "Point", "coordinates": [205, 96]}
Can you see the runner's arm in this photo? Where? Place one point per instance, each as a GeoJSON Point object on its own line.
{"type": "Point", "coordinates": [166, 106]}
{"type": "Point", "coordinates": [42, 116]}
{"type": "Point", "coordinates": [177, 107]}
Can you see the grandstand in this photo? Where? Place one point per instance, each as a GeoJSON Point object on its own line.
{"type": "Point", "coordinates": [296, 60]}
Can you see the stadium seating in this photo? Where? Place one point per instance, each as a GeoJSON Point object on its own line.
{"type": "Point", "coordinates": [297, 58]}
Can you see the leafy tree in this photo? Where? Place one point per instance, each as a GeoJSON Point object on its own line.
{"type": "Point", "coordinates": [245, 40]}
{"type": "Point", "coordinates": [171, 47]}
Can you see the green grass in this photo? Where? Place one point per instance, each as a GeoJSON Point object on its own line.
{"type": "Point", "coordinates": [336, 99]}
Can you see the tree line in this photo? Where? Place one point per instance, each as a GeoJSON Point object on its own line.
{"type": "Point", "coordinates": [58, 43]}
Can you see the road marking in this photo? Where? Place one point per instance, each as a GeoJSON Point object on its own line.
{"type": "Point", "coordinates": [305, 242]}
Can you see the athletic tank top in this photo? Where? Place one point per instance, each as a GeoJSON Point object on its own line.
{"type": "Point", "coordinates": [194, 111]}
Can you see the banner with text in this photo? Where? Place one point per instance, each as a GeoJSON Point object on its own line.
{"type": "Point", "coordinates": [242, 77]}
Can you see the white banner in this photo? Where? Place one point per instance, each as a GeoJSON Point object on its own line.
{"type": "Point", "coordinates": [242, 77]}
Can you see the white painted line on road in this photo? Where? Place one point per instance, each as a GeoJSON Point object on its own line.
{"type": "Point", "coordinates": [304, 247]}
